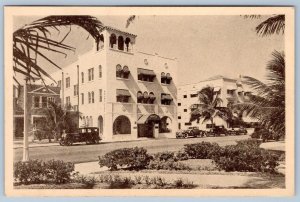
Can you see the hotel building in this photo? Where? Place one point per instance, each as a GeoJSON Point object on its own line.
{"type": "Point", "coordinates": [127, 93]}
{"type": "Point", "coordinates": [231, 91]}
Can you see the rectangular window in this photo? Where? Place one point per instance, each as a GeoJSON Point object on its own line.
{"type": "Point", "coordinates": [179, 104]}
{"type": "Point", "coordinates": [188, 124]}
{"type": "Point", "coordinates": [82, 77]}
{"type": "Point", "coordinates": [92, 95]}
{"type": "Point", "coordinates": [68, 101]}
{"type": "Point", "coordinates": [50, 99]}
{"type": "Point", "coordinates": [100, 71]}
{"type": "Point", "coordinates": [91, 74]}
{"type": "Point", "coordinates": [59, 83]}
{"type": "Point", "coordinates": [76, 108]}
{"type": "Point", "coordinates": [185, 110]}
{"type": "Point", "coordinates": [100, 95]}
{"type": "Point", "coordinates": [184, 96]}
{"type": "Point", "coordinates": [89, 97]}
{"type": "Point", "coordinates": [75, 90]}
{"type": "Point", "coordinates": [82, 98]}
{"type": "Point", "coordinates": [179, 117]}
{"type": "Point", "coordinates": [193, 95]}
{"type": "Point", "coordinates": [36, 102]}
{"type": "Point", "coordinates": [68, 82]}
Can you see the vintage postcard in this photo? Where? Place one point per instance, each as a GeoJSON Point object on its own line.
{"type": "Point", "coordinates": [149, 101]}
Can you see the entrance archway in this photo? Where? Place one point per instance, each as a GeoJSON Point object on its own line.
{"type": "Point", "coordinates": [100, 124]}
{"type": "Point", "coordinates": [122, 125]}
{"type": "Point", "coordinates": [146, 125]}
{"type": "Point", "coordinates": [165, 124]}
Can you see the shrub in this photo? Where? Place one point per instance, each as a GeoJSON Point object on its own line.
{"type": "Point", "coordinates": [133, 158]}
{"type": "Point", "coordinates": [203, 150]}
{"type": "Point", "coordinates": [36, 171]}
{"type": "Point", "coordinates": [242, 157]}
{"type": "Point", "coordinates": [181, 156]}
{"type": "Point", "coordinates": [88, 181]}
{"type": "Point", "coordinates": [167, 165]}
{"type": "Point", "coordinates": [183, 184]}
{"type": "Point", "coordinates": [30, 172]}
{"type": "Point", "coordinates": [164, 156]}
{"type": "Point", "coordinates": [166, 161]}
{"type": "Point", "coordinates": [58, 171]}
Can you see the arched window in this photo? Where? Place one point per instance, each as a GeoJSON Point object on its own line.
{"type": "Point", "coordinates": [126, 72]}
{"type": "Point", "coordinates": [121, 125]}
{"type": "Point", "coordinates": [146, 97]}
{"type": "Point", "coordinates": [139, 96]}
{"type": "Point", "coordinates": [151, 97]}
{"type": "Point", "coordinates": [168, 78]}
{"type": "Point", "coordinates": [120, 43]}
{"type": "Point", "coordinates": [87, 121]}
{"type": "Point", "coordinates": [127, 43]}
{"type": "Point", "coordinates": [112, 40]}
{"type": "Point", "coordinates": [84, 121]}
{"type": "Point", "coordinates": [92, 93]}
{"type": "Point", "coordinates": [91, 121]}
{"type": "Point", "coordinates": [118, 71]}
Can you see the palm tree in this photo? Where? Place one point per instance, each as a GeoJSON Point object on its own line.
{"type": "Point", "coordinates": [272, 25]}
{"type": "Point", "coordinates": [33, 41]}
{"type": "Point", "coordinates": [59, 118]}
{"type": "Point", "coordinates": [209, 106]}
{"type": "Point", "coordinates": [268, 103]}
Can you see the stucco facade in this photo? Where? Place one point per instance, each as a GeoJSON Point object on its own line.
{"type": "Point", "coordinates": [123, 91]}
{"type": "Point", "coordinates": [231, 91]}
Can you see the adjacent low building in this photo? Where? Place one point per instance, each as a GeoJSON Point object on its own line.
{"type": "Point", "coordinates": [231, 91]}
{"type": "Point", "coordinates": [128, 94]}
{"type": "Point", "coordinates": [38, 99]}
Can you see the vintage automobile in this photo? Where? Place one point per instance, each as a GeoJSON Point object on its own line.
{"type": "Point", "coordinates": [192, 131]}
{"type": "Point", "coordinates": [217, 131]}
{"type": "Point", "coordinates": [237, 131]}
{"type": "Point", "coordinates": [89, 135]}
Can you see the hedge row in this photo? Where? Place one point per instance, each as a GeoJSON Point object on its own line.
{"type": "Point", "coordinates": [36, 171]}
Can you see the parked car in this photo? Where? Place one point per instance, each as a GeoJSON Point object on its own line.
{"type": "Point", "coordinates": [89, 135]}
{"type": "Point", "coordinates": [237, 131]}
{"type": "Point", "coordinates": [192, 131]}
{"type": "Point", "coordinates": [217, 131]}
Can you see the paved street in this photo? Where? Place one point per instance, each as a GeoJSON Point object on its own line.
{"type": "Point", "coordinates": [86, 153]}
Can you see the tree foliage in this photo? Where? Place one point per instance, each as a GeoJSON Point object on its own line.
{"type": "Point", "coordinates": [267, 104]}
{"type": "Point", "coordinates": [33, 41]}
{"type": "Point", "coordinates": [209, 106]}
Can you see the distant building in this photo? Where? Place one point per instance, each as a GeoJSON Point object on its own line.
{"type": "Point", "coordinates": [38, 97]}
{"type": "Point", "coordinates": [231, 91]}
{"type": "Point", "coordinates": [127, 93]}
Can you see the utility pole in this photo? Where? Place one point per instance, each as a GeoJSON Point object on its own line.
{"type": "Point", "coordinates": [25, 133]}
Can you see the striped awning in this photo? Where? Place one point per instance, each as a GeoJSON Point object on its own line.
{"type": "Point", "coordinates": [148, 118]}
{"type": "Point", "coordinates": [145, 72]}
{"type": "Point", "coordinates": [166, 97]}
{"type": "Point", "coordinates": [123, 92]}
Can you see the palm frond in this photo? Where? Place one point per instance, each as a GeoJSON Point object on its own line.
{"type": "Point", "coordinates": [130, 20]}
{"type": "Point", "coordinates": [32, 41]}
{"type": "Point", "coordinates": [271, 26]}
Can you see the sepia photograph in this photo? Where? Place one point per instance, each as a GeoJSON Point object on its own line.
{"type": "Point", "coordinates": [149, 101]}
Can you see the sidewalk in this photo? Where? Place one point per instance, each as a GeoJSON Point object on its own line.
{"type": "Point", "coordinates": [276, 146]}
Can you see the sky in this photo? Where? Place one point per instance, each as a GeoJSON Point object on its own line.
{"type": "Point", "coordinates": [204, 46]}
